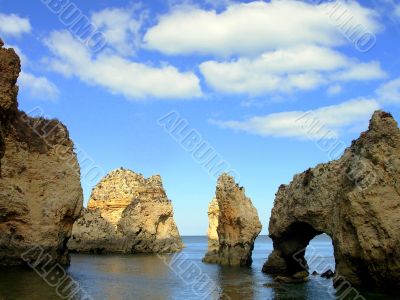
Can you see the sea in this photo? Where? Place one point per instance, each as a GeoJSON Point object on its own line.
{"type": "Point", "coordinates": [176, 276]}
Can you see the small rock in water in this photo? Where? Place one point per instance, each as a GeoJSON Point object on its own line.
{"type": "Point", "coordinates": [328, 274]}
{"type": "Point", "coordinates": [299, 277]}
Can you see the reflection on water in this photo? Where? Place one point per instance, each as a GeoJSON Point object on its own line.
{"type": "Point", "coordinates": [122, 276]}
{"type": "Point", "coordinates": [236, 283]}
{"type": "Point", "coordinates": [168, 277]}
{"type": "Point", "coordinates": [24, 283]}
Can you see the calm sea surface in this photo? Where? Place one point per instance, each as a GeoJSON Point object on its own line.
{"type": "Point", "coordinates": [179, 276]}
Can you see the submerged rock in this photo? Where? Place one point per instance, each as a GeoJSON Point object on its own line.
{"type": "Point", "coordinates": [127, 214]}
{"type": "Point", "coordinates": [299, 277]}
{"type": "Point", "coordinates": [40, 190]}
{"type": "Point", "coordinates": [237, 224]}
{"type": "Point", "coordinates": [355, 200]}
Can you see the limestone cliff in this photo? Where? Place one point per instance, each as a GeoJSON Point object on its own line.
{"type": "Point", "coordinates": [40, 190]}
{"type": "Point", "coordinates": [213, 213]}
{"type": "Point", "coordinates": [238, 225]}
{"type": "Point", "coordinates": [356, 200]}
{"type": "Point", "coordinates": [127, 214]}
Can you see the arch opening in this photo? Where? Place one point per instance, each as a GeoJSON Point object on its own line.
{"type": "Point", "coordinates": [320, 255]}
{"type": "Point", "coordinates": [293, 245]}
{"type": "Point", "coordinates": [299, 247]}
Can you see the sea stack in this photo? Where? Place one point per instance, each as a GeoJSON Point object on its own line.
{"type": "Point", "coordinates": [40, 190]}
{"type": "Point", "coordinates": [127, 213]}
{"type": "Point", "coordinates": [355, 200]}
{"type": "Point", "coordinates": [233, 225]}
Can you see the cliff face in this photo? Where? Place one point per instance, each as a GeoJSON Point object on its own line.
{"type": "Point", "coordinates": [356, 200]}
{"type": "Point", "coordinates": [238, 225]}
{"type": "Point", "coordinates": [213, 213]}
{"type": "Point", "coordinates": [40, 191]}
{"type": "Point", "coordinates": [127, 214]}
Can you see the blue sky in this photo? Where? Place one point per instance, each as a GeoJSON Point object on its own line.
{"type": "Point", "coordinates": [240, 74]}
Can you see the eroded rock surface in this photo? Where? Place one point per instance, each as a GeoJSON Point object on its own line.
{"type": "Point", "coordinates": [40, 190]}
{"type": "Point", "coordinates": [237, 224]}
{"type": "Point", "coordinates": [356, 200]}
{"type": "Point", "coordinates": [127, 213]}
{"type": "Point", "coordinates": [213, 213]}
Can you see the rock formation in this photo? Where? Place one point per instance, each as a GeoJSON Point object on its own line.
{"type": "Point", "coordinates": [355, 200]}
{"type": "Point", "coordinates": [40, 190]}
{"type": "Point", "coordinates": [237, 224]}
{"type": "Point", "coordinates": [127, 214]}
{"type": "Point", "coordinates": [213, 213]}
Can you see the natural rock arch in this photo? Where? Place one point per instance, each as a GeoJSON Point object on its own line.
{"type": "Point", "coordinates": [289, 249]}
{"type": "Point", "coordinates": [356, 201]}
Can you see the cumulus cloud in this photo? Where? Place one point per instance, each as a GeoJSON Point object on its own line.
{"type": "Point", "coordinates": [38, 87]}
{"type": "Point", "coordinates": [13, 25]}
{"type": "Point", "coordinates": [285, 70]}
{"type": "Point", "coordinates": [117, 74]}
{"type": "Point", "coordinates": [121, 28]}
{"type": "Point", "coordinates": [361, 71]}
{"type": "Point", "coordinates": [322, 123]}
{"type": "Point", "coordinates": [253, 28]}
{"type": "Point", "coordinates": [258, 51]}
{"type": "Point", "coordinates": [334, 90]}
{"type": "Point", "coordinates": [389, 92]}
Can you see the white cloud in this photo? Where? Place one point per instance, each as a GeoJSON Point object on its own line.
{"type": "Point", "coordinates": [38, 86]}
{"type": "Point", "coordinates": [255, 27]}
{"type": "Point", "coordinates": [121, 28]}
{"type": "Point", "coordinates": [270, 54]}
{"type": "Point", "coordinates": [117, 74]}
{"type": "Point", "coordinates": [334, 90]}
{"type": "Point", "coordinates": [13, 25]}
{"type": "Point", "coordinates": [322, 123]}
{"type": "Point", "coordinates": [389, 92]}
{"type": "Point", "coordinates": [361, 71]}
{"type": "Point", "coordinates": [285, 70]}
